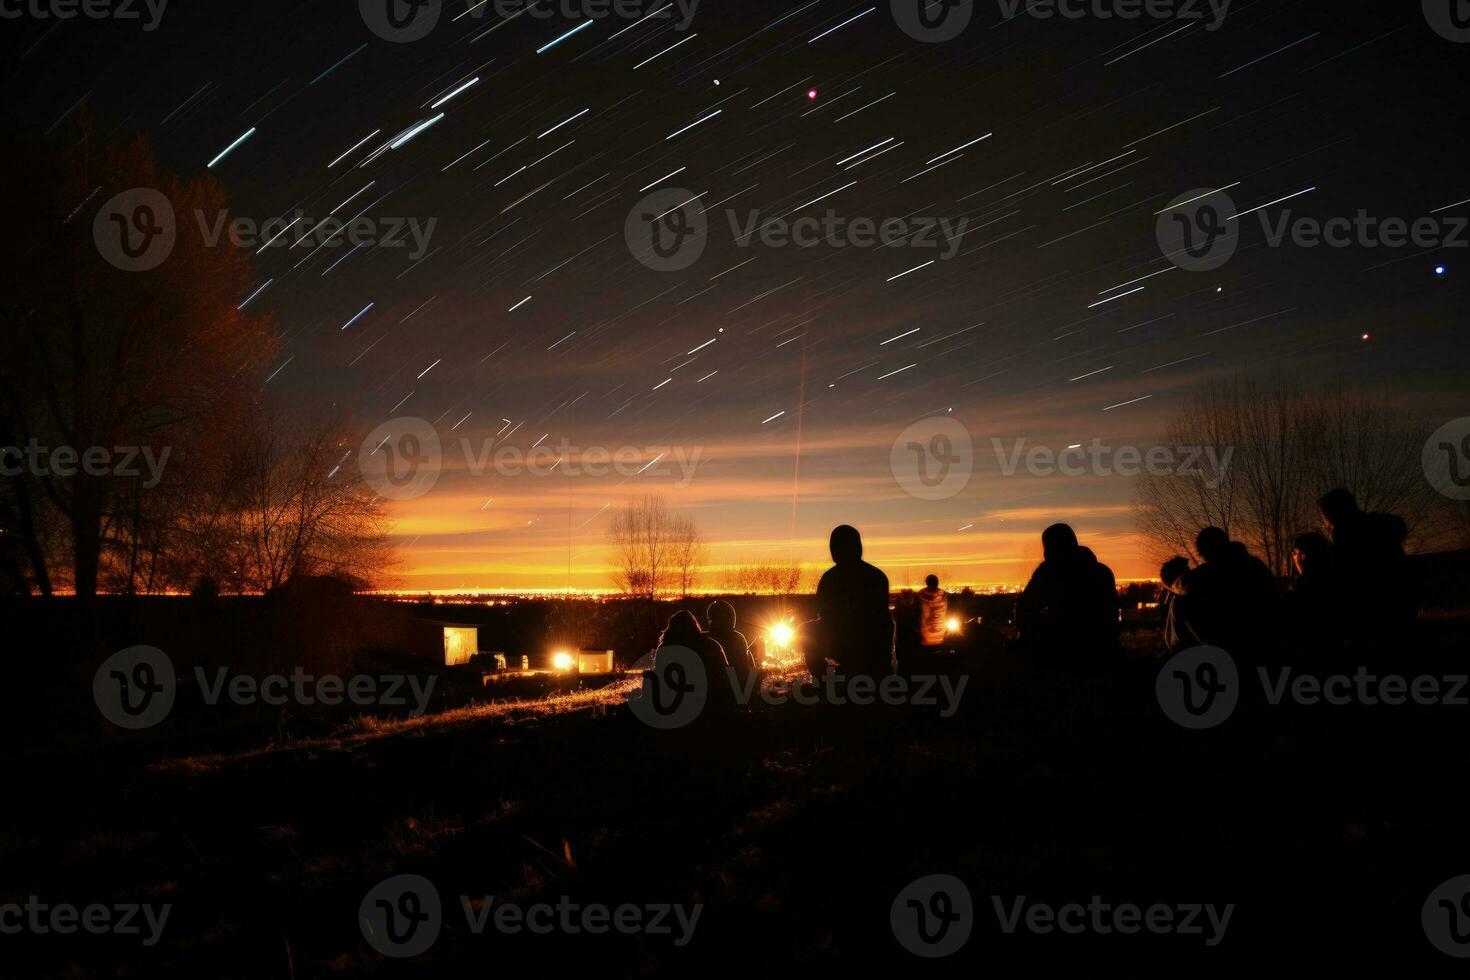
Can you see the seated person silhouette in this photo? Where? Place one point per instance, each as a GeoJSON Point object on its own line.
{"type": "Point", "coordinates": [738, 652]}
{"type": "Point", "coordinates": [1374, 576]}
{"type": "Point", "coordinates": [1312, 609]}
{"type": "Point", "coordinates": [1228, 600]}
{"type": "Point", "coordinates": [1069, 608]}
{"type": "Point", "coordinates": [683, 632]}
{"type": "Point", "coordinates": [854, 627]}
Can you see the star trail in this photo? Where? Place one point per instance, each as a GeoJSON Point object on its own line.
{"type": "Point", "coordinates": [785, 233]}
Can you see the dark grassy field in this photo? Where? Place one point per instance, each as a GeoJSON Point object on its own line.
{"type": "Point", "coordinates": [794, 826]}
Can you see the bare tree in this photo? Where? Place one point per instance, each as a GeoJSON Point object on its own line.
{"type": "Point", "coordinates": [296, 505]}
{"type": "Point", "coordinates": [688, 552]}
{"type": "Point", "coordinates": [1281, 447]}
{"type": "Point", "coordinates": [655, 551]}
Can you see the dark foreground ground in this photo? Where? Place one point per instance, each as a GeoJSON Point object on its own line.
{"type": "Point", "coordinates": [795, 828]}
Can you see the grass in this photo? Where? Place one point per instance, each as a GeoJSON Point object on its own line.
{"type": "Point", "coordinates": [793, 826]}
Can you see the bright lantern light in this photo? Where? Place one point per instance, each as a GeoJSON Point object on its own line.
{"type": "Point", "coordinates": [782, 634]}
{"type": "Point", "coordinates": [954, 625]}
{"type": "Point", "coordinates": [562, 661]}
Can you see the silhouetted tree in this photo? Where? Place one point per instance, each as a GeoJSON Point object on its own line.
{"type": "Point", "coordinates": [1286, 445]}
{"type": "Point", "coordinates": [94, 356]}
{"type": "Point", "coordinates": [655, 551]}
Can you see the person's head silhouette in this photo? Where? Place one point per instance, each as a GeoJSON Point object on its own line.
{"type": "Point", "coordinates": [1212, 544]}
{"type": "Point", "coordinates": [1338, 507]}
{"type": "Point", "coordinates": [682, 630]}
{"type": "Point", "coordinates": [932, 581]}
{"type": "Point", "coordinates": [1058, 542]}
{"type": "Point", "coordinates": [721, 615]}
{"type": "Point", "coordinates": [846, 544]}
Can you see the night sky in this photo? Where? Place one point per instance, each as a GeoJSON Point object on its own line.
{"type": "Point", "coordinates": [1055, 317]}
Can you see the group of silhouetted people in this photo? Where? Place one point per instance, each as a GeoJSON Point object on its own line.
{"type": "Point", "coordinates": [717, 648]}
{"type": "Point", "coordinates": [1351, 583]}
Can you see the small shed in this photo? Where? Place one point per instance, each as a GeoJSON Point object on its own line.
{"type": "Point", "coordinates": [457, 642]}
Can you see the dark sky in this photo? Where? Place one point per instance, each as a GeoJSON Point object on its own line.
{"type": "Point", "coordinates": [1075, 133]}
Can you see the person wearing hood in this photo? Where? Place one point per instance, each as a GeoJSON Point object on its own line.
{"type": "Point", "coordinates": [934, 614]}
{"type": "Point", "coordinates": [854, 625]}
{"type": "Point", "coordinates": [1070, 606]}
{"type": "Point", "coordinates": [721, 618]}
